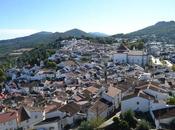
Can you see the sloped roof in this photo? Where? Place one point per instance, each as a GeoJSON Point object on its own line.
{"type": "Point", "coordinates": [98, 107]}
{"type": "Point", "coordinates": [49, 120]}
{"type": "Point", "coordinates": [5, 117]}
{"type": "Point", "coordinates": [139, 94]}
{"type": "Point", "coordinates": [112, 91]}
{"type": "Point", "coordinates": [122, 48]}
{"type": "Point", "coordinates": [22, 115]}
{"type": "Point", "coordinates": [164, 113]}
{"type": "Point", "coordinates": [71, 108]}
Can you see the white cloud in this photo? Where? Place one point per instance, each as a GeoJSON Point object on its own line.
{"type": "Point", "coordinates": [13, 33]}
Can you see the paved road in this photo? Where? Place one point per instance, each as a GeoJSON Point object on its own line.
{"type": "Point", "coordinates": [109, 121]}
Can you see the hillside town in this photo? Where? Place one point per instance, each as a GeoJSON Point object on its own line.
{"type": "Point", "coordinates": [90, 81]}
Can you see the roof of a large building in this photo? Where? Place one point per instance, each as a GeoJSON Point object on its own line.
{"type": "Point", "coordinates": [136, 53]}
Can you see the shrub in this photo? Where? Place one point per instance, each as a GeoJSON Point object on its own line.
{"type": "Point", "coordinates": [143, 125]}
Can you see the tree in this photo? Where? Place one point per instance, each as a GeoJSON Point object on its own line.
{"type": "Point", "coordinates": [51, 65]}
{"type": "Point", "coordinates": [143, 125]}
{"type": "Point", "coordinates": [129, 117]}
{"type": "Point", "coordinates": [173, 67]}
{"type": "Point", "coordinates": [2, 76]}
{"type": "Point", "coordinates": [116, 120]}
{"type": "Point", "coordinates": [171, 101]}
{"type": "Point", "coordinates": [85, 125]}
{"type": "Point", "coordinates": [119, 124]}
{"type": "Point", "coordinates": [123, 125]}
{"type": "Point", "coordinates": [96, 122]}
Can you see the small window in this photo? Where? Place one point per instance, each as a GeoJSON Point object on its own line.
{"type": "Point", "coordinates": [137, 103]}
{"type": "Point", "coordinates": [36, 116]}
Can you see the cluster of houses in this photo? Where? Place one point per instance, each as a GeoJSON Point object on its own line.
{"type": "Point", "coordinates": [90, 81]}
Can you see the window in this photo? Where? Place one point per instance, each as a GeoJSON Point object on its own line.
{"type": "Point", "coordinates": [36, 116]}
{"type": "Point", "coordinates": [137, 103]}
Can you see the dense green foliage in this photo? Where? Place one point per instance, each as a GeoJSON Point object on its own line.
{"type": "Point", "coordinates": [85, 125]}
{"type": "Point", "coordinates": [91, 125]}
{"type": "Point", "coordinates": [6, 63]}
{"type": "Point", "coordinates": [143, 125]}
{"type": "Point", "coordinates": [138, 45]}
{"type": "Point", "coordinates": [129, 117]}
{"type": "Point", "coordinates": [51, 65]}
{"type": "Point", "coordinates": [119, 124]}
{"type": "Point", "coordinates": [171, 101]}
{"type": "Point", "coordinates": [96, 122]}
{"type": "Point", "coordinates": [2, 76]}
{"type": "Point", "coordinates": [34, 56]}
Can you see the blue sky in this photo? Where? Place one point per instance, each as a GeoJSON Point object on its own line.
{"type": "Point", "coordinates": [24, 17]}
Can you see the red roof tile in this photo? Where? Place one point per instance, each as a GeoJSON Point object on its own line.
{"type": "Point", "coordinates": [5, 117]}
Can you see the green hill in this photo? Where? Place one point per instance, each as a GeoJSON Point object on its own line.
{"type": "Point", "coordinates": [161, 31]}
{"type": "Point", "coordinates": [33, 40]}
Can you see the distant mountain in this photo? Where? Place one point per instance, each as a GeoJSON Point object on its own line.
{"type": "Point", "coordinates": [98, 34]}
{"type": "Point", "coordinates": [77, 33]}
{"type": "Point", "coordinates": [161, 31]}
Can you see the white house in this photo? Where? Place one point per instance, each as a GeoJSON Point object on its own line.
{"type": "Point", "coordinates": [136, 102]}
{"type": "Point", "coordinates": [124, 55]}
{"type": "Point", "coordinates": [113, 95]}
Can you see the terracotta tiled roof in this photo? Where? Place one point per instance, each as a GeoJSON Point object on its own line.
{"type": "Point", "coordinates": [51, 108]}
{"type": "Point", "coordinates": [5, 117]}
{"type": "Point", "coordinates": [71, 108]}
{"type": "Point", "coordinates": [151, 86]}
{"type": "Point", "coordinates": [112, 91]}
{"type": "Point", "coordinates": [98, 107]}
{"type": "Point", "coordinates": [139, 94]}
{"type": "Point", "coordinates": [92, 89]}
